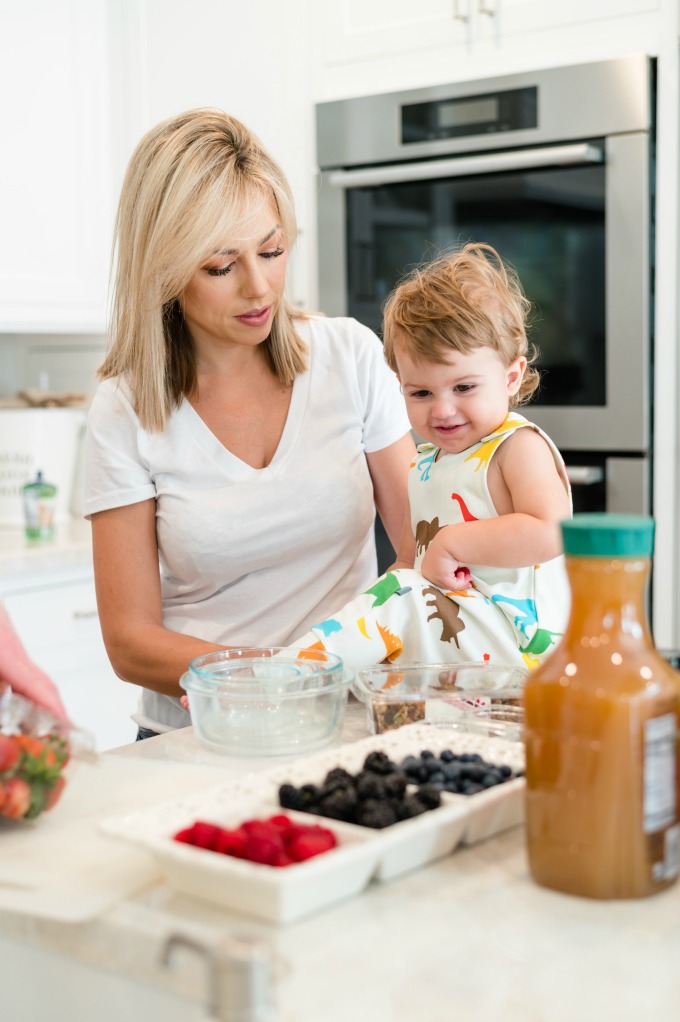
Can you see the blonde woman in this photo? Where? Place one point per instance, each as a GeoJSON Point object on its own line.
{"type": "Point", "coordinates": [237, 448]}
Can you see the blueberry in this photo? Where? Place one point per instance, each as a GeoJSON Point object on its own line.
{"type": "Point", "coordinates": [446, 756]}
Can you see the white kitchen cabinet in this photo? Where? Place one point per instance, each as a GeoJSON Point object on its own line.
{"type": "Point", "coordinates": [355, 30]}
{"type": "Point", "coordinates": [55, 615]}
{"type": "Point", "coordinates": [55, 203]}
{"type": "Point", "coordinates": [370, 46]}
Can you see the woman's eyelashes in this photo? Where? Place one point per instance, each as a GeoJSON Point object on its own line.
{"type": "Point", "coordinates": [221, 271]}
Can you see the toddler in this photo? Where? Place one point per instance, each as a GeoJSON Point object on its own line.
{"type": "Point", "coordinates": [479, 573]}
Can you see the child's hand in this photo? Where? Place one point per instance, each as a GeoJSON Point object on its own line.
{"type": "Point", "coordinates": [439, 567]}
{"type": "Point", "coordinates": [184, 702]}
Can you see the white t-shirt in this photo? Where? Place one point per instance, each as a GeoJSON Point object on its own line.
{"type": "Point", "coordinates": [256, 556]}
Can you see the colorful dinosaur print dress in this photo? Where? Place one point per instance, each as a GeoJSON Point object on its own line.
{"type": "Point", "coordinates": [509, 616]}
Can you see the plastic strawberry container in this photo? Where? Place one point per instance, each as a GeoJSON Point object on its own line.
{"type": "Point", "coordinates": [35, 752]}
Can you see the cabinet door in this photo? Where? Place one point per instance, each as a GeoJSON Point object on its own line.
{"type": "Point", "coordinates": [358, 30]}
{"type": "Point", "coordinates": [55, 204]}
{"type": "Point", "coordinates": [60, 629]}
{"type": "Point", "coordinates": [524, 16]}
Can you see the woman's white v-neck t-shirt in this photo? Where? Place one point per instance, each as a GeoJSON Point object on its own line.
{"type": "Point", "coordinates": [252, 556]}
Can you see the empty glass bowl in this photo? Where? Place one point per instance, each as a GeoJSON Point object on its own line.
{"type": "Point", "coordinates": [398, 694]}
{"type": "Point", "coordinates": [258, 701]}
{"type": "Point", "coordinates": [496, 720]}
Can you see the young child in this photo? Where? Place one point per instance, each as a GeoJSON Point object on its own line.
{"type": "Point", "coordinates": [479, 573]}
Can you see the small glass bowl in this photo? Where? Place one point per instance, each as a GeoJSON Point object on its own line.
{"type": "Point", "coordinates": [398, 694]}
{"type": "Point", "coordinates": [258, 701]}
{"type": "Point", "coordinates": [496, 720]}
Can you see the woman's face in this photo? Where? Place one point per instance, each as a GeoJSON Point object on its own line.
{"type": "Point", "coordinates": [231, 300]}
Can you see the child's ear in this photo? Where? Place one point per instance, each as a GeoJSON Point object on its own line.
{"type": "Point", "coordinates": [515, 374]}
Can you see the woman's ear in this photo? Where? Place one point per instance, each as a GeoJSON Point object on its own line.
{"type": "Point", "coordinates": [515, 374]}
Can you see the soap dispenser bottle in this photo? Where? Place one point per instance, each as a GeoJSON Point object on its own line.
{"type": "Point", "coordinates": [39, 502]}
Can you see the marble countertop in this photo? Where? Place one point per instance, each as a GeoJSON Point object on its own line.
{"type": "Point", "coordinates": [471, 936]}
{"type": "Point", "coordinates": [24, 561]}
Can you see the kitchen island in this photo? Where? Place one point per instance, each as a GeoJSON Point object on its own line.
{"type": "Point", "coordinates": [468, 937]}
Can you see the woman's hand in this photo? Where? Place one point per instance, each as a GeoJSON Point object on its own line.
{"type": "Point", "coordinates": [22, 675]}
{"type": "Point", "coordinates": [441, 568]}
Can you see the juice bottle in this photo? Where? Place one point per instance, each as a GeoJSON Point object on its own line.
{"type": "Point", "coordinates": [601, 719]}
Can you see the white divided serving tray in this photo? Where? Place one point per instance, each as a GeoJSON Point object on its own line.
{"type": "Point", "coordinates": [362, 854]}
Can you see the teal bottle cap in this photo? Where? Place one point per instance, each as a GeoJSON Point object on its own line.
{"type": "Point", "coordinates": [608, 535]}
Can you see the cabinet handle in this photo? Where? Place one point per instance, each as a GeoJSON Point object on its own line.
{"type": "Point", "coordinates": [82, 615]}
{"type": "Point", "coordinates": [458, 12]}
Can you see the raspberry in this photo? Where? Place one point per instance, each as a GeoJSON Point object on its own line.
{"type": "Point", "coordinates": [310, 841]}
{"type": "Point", "coordinates": [263, 842]}
{"type": "Point", "coordinates": [232, 842]}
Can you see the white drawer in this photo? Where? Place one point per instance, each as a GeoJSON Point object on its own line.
{"type": "Point", "coordinates": [51, 618]}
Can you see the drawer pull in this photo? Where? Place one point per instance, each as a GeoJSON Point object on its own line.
{"type": "Point", "coordinates": [84, 615]}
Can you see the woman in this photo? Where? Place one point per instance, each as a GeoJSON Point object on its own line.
{"type": "Point", "coordinates": [237, 449]}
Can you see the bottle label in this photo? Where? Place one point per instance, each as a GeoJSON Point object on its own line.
{"type": "Point", "coordinates": [670, 864]}
{"type": "Point", "coordinates": [659, 807]}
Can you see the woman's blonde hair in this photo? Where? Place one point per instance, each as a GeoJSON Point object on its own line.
{"type": "Point", "coordinates": [192, 182]}
{"type": "Point", "coordinates": [466, 300]}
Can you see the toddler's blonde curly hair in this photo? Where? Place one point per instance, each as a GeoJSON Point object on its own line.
{"type": "Point", "coordinates": [465, 300]}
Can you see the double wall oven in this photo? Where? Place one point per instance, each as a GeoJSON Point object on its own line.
{"type": "Point", "coordinates": [555, 170]}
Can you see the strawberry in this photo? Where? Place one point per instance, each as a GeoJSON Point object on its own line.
{"type": "Point", "coordinates": [9, 752]}
{"type": "Point", "coordinates": [310, 841]}
{"type": "Point", "coordinates": [30, 745]}
{"type": "Point", "coordinates": [17, 798]}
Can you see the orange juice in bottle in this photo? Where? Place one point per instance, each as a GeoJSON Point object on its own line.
{"type": "Point", "coordinates": [601, 719]}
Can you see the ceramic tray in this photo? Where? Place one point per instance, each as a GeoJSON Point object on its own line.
{"type": "Point", "coordinates": [363, 855]}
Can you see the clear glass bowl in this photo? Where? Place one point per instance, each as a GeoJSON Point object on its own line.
{"type": "Point", "coordinates": [398, 694]}
{"type": "Point", "coordinates": [261, 702]}
{"type": "Point", "coordinates": [496, 720]}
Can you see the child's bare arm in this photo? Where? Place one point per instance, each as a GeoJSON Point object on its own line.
{"type": "Point", "coordinates": [531, 499]}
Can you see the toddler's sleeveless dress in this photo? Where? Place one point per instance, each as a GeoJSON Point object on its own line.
{"type": "Point", "coordinates": [509, 616]}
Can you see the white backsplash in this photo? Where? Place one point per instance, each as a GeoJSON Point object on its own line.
{"type": "Point", "coordinates": [59, 362]}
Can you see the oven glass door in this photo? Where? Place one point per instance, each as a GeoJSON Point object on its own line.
{"type": "Point", "coordinates": [549, 223]}
{"type": "Point", "coordinates": [576, 223]}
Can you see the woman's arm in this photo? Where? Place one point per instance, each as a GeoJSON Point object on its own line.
{"type": "Point", "coordinates": [389, 474]}
{"type": "Point", "coordinates": [533, 501]}
{"type": "Point", "coordinates": [127, 579]}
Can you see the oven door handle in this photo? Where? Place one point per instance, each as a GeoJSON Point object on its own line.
{"type": "Point", "coordinates": [491, 163]}
{"type": "Point", "coordinates": [584, 475]}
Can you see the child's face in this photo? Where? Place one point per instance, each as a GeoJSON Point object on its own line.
{"type": "Point", "coordinates": [454, 405]}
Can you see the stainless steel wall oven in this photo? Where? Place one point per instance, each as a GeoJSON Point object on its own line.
{"type": "Point", "coordinates": [555, 170]}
